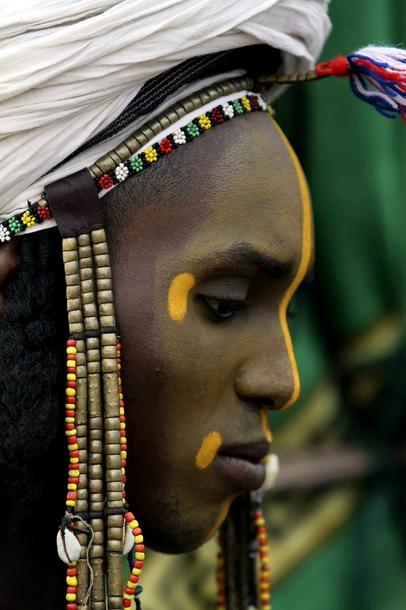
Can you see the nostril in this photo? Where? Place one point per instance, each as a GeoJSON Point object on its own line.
{"type": "Point", "coordinates": [266, 403]}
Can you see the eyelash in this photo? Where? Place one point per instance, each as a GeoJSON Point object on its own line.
{"type": "Point", "coordinates": [213, 305]}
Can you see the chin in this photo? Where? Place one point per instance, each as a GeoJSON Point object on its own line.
{"type": "Point", "coordinates": [176, 534]}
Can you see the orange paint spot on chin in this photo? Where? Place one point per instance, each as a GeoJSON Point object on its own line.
{"type": "Point", "coordinates": [208, 449]}
{"type": "Point", "coordinates": [225, 507]}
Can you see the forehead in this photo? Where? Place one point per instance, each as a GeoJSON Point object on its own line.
{"type": "Point", "coordinates": [236, 184]}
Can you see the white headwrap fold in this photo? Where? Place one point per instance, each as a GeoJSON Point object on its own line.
{"type": "Point", "coordinates": [68, 68]}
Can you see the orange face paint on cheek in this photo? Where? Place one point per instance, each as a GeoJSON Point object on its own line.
{"type": "Point", "coordinates": [208, 449]}
{"type": "Point", "coordinates": [303, 266]}
{"type": "Point", "coordinates": [178, 295]}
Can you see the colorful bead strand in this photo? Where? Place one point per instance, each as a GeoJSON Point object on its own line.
{"type": "Point", "coordinates": [263, 552]}
{"type": "Point", "coordinates": [73, 473]}
{"type": "Point", "coordinates": [220, 598]}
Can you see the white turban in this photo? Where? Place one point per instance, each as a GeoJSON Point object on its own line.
{"type": "Point", "coordinates": [69, 68]}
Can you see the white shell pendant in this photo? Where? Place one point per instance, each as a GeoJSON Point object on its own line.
{"type": "Point", "coordinates": [68, 546]}
{"type": "Point", "coordinates": [128, 539]}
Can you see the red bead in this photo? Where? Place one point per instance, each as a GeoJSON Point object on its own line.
{"type": "Point", "coordinates": [71, 571]}
{"type": "Point", "coordinates": [73, 479]}
{"type": "Point", "coordinates": [139, 548]}
{"type": "Point", "coordinates": [74, 453]}
{"type": "Point", "coordinates": [69, 413]}
{"type": "Point", "coordinates": [69, 426]}
{"type": "Point", "coordinates": [136, 531]}
{"type": "Point", "coordinates": [70, 356]}
{"type": "Point", "coordinates": [138, 564]}
{"type": "Point", "coordinates": [71, 384]}
{"type": "Point", "coordinates": [122, 418]}
{"type": "Point", "coordinates": [134, 578]}
{"type": "Point", "coordinates": [71, 606]}
{"type": "Point", "coordinates": [71, 369]}
{"type": "Point", "coordinates": [71, 400]}
{"type": "Point", "coordinates": [71, 495]}
{"type": "Point", "coordinates": [129, 517]}
{"type": "Point", "coordinates": [126, 603]}
{"type": "Point", "coordinates": [118, 346]}
{"type": "Point", "coordinates": [71, 589]}
{"type": "Point", "coordinates": [71, 342]}
{"type": "Point", "coordinates": [124, 447]}
{"type": "Point", "coordinates": [122, 433]}
{"type": "Point", "coordinates": [121, 403]}
{"type": "Point", "coordinates": [72, 440]}
{"type": "Point", "coordinates": [129, 591]}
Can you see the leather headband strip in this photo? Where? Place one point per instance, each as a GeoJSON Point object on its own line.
{"type": "Point", "coordinates": [75, 204]}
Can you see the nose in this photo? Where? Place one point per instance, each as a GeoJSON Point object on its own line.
{"type": "Point", "coordinates": [269, 376]}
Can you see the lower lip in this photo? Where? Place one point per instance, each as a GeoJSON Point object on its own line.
{"type": "Point", "coordinates": [248, 476]}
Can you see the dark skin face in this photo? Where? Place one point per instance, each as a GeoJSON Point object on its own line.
{"type": "Point", "coordinates": [202, 283]}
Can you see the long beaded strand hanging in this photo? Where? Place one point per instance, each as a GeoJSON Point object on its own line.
{"type": "Point", "coordinates": [242, 568]}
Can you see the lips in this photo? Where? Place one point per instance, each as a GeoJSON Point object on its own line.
{"type": "Point", "coordinates": [241, 464]}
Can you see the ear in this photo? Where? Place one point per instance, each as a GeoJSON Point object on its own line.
{"type": "Point", "coordinates": [9, 261]}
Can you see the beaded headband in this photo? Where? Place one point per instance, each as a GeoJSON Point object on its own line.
{"type": "Point", "coordinates": [158, 138]}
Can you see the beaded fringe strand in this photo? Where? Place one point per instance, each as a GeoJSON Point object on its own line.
{"type": "Point", "coordinates": [96, 432]}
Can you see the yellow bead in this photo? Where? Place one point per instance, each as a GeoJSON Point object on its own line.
{"type": "Point", "coordinates": [70, 597]}
{"type": "Point", "coordinates": [139, 556]}
{"type": "Point", "coordinates": [70, 392]}
{"type": "Point", "coordinates": [121, 396]}
{"type": "Point", "coordinates": [122, 425]}
{"type": "Point", "coordinates": [131, 585]}
{"type": "Point", "coordinates": [71, 432]}
{"type": "Point", "coordinates": [71, 350]}
{"type": "Point", "coordinates": [123, 455]}
{"type": "Point", "coordinates": [74, 460]}
{"type": "Point", "coordinates": [73, 473]}
{"type": "Point", "coordinates": [69, 420]}
{"type": "Point", "coordinates": [123, 440]}
{"type": "Point", "coordinates": [133, 524]}
{"type": "Point", "coordinates": [127, 596]}
{"type": "Point", "coordinates": [73, 447]}
{"type": "Point", "coordinates": [71, 581]}
{"type": "Point", "coordinates": [136, 571]}
{"type": "Point", "coordinates": [121, 410]}
{"type": "Point", "coordinates": [71, 377]}
{"type": "Point", "coordinates": [139, 539]}
{"type": "Point", "coordinates": [72, 486]}
{"type": "Point", "coordinates": [70, 502]}
{"type": "Point", "coordinates": [71, 364]}
{"type": "Point", "coordinates": [71, 407]}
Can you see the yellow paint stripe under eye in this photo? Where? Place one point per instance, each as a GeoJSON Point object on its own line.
{"type": "Point", "coordinates": [303, 267]}
{"type": "Point", "coordinates": [178, 294]}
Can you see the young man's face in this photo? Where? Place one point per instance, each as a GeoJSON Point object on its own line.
{"type": "Point", "coordinates": [201, 292]}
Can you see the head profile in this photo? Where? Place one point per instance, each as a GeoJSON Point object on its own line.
{"type": "Point", "coordinates": [206, 249]}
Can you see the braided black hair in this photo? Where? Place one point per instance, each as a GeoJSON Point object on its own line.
{"type": "Point", "coordinates": [31, 387]}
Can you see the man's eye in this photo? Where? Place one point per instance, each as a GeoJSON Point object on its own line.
{"type": "Point", "coordinates": [222, 308]}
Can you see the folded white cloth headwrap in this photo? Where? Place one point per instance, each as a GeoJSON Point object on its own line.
{"type": "Point", "coordinates": [68, 68]}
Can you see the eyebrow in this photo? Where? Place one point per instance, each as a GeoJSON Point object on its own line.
{"type": "Point", "coordinates": [244, 254]}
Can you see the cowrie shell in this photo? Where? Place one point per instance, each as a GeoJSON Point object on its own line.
{"type": "Point", "coordinates": [68, 546]}
{"type": "Point", "coordinates": [128, 539]}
